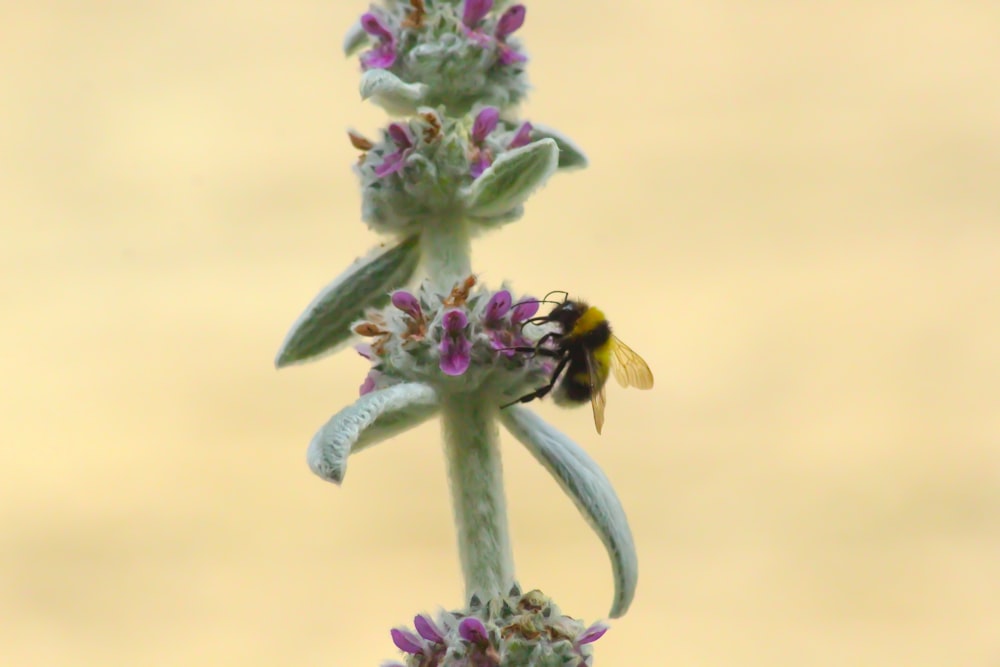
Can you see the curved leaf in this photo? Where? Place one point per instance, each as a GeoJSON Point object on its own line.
{"type": "Point", "coordinates": [366, 422]}
{"type": "Point", "coordinates": [326, 322]}
{"type": "Point", "coordinates": [509, 181]}
{"type": "Point", "coordinates": [355, 39]}
{"type": "Point", "coordinates": [390, 92]}
{"type": "Point", "coordinates": [571, 156]}
{"type": "Point", "coordinates": [583, 481]}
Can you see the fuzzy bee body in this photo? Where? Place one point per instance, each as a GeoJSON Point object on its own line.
{"type": "Point", "coordinates": [587, 354]}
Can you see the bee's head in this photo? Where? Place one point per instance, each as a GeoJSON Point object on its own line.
{"type": "Point", "coordinates": [567, 313]}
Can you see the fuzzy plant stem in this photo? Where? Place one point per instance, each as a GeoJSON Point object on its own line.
{"type": "Point", "coordinates": [475, 473]}
{"type": "Point", "coordinates": [446, 249]}
{"type": "Point", "coordinates": [471, 440]}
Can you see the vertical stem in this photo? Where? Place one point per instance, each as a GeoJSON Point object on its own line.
{"type": "Point", "coordinates": [446, 249]}
{"type": "Point", "coordinates": [471, 440]}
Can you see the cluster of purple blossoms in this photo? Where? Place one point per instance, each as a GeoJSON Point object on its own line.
{"type": "Point", "coordinates": [487, 140]}
{"type": "Point", "coordinates": [518, 630]}
{"type": "Point", "coordinates": [423, 168]}
{"type": "Point", "coordinates": [458, 53]}
{"type": "Point", "coordinates": [508, 23]}
{"type": "Point", "coordinates": [385, 52]}
{"type": "Point", "coordinates": [420, 334]}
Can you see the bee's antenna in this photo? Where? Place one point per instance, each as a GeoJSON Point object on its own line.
{"type": "Point", "coordinates": [542, 319]}
{"type": "Point", "coordinates": [558, 291]}
{"type": "Point", "coordinates": [546, 299]}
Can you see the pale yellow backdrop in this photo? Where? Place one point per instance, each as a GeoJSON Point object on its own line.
{"type": "Point", "coordinates": [792, 212]}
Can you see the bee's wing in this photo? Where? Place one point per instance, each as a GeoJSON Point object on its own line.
{"type": "Point", "coordinates": [597, 397]}
{"type": "Point", "coordinates": [629, 368]}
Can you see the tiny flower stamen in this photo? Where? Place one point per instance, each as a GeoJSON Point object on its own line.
{"type": "Point", "coordinates": [415, 18]}
{"type": "Point", "coordinates": [460, 293]}
{"type": "Point", "coordinates": [359, 141]}
{"type": "Point", "coordinates": [369, 330]}
{"type": "Point", "coordinates": [433, 129]}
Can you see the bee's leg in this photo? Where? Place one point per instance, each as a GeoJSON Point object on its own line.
{"type": "Point", "coordinates": [544, 351]}
{"type": "Point", "coordinates": [543, 390]}
{"type": "Point", "coordinates": [546, 338]}
{"type": "Point", "coordinates": [537, 347]}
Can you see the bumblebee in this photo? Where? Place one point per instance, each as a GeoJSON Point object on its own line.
{"type": "Point", "coordinates": [587, 352]}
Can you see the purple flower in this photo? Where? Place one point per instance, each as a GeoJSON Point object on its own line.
{"type": "Point", "coordinates": [498, 306]}
{"type": "Point", "coordinates": [427, 629]}
{"type": "Point", "coordinates": [455, 348]}
{"type": "Point", "coordinates": [592, 634]}
{"type": "Point", "coordinates": [475, 11]}
{"type": "Point", "coordinates": [524, 310]}
{"type": "Point", "coordinates": [472, 630]}
{"type": "Point", "coordinates": [509, 22]}
{"type": "Point", "coordinates": [486, 121]}
{"type": "Point", "coordinates": [523, 136]}
{"type": "Point", "coordinates": [407, 303]}
{"type": "Point", "coordinates": [406, 641]}
{"type": "Point", "coordinates": [400, 135]}
{"type": "Point", "coordinates": [384, 53]}
{"type": "Point", "coordinates": [368, 386]}
{"type": "Point", "coordinates": [481, 161]}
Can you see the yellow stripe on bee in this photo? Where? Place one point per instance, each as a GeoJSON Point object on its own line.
{"type": "Point", "coordinates": [602, 357]}
{"type": "Point", "coordinates": [590, 319]}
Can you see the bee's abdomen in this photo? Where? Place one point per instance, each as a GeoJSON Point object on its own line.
{"type": "Point", "coordinates": [574, 387]}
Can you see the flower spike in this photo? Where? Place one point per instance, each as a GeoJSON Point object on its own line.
{"type": "Point", "coordinates": [454, 162]}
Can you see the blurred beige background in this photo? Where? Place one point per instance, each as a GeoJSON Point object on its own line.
{"type": "Point", "coordinates": [803, 202]}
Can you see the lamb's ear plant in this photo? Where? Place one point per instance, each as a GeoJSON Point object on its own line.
{"type": "Point", "coordinates": [455, 163]}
